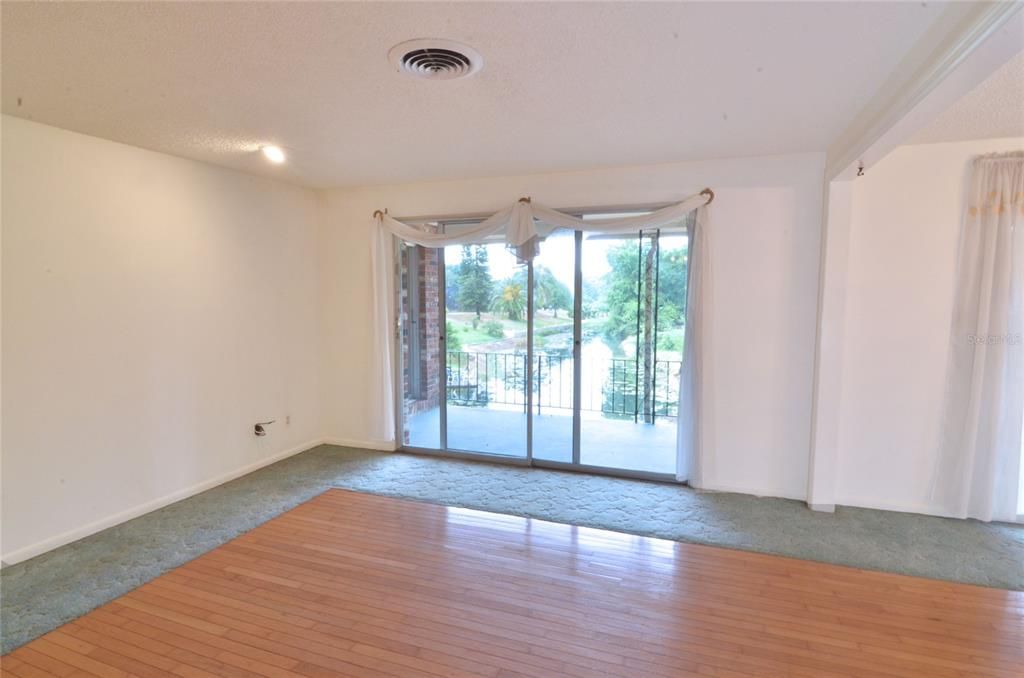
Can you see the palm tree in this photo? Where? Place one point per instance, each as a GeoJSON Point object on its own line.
{"type": "Point", "coordinates": [511, 301]}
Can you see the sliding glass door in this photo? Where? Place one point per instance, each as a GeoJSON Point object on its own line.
{"type": "Point", "coordinates": [485, 305]}
{"type": "Point", "coordinates": [555, 348]}
{"type": "Point", "coordinates": [572, 360]}
{"type": "Point", "coordinates": [632, 350]}
{"type": "Point", "coordinates": [421, 360]}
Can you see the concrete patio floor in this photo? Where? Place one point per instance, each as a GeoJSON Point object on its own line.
{"type": "Point", "coordinates": [610, 443]}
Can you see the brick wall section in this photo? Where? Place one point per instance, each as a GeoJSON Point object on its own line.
{"type": "Point", "coordinates": [433, 297]}
{"type": "Point", "coordinates": [428, 326]}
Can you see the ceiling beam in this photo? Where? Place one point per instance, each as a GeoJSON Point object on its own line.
{"type": "Point", "coordinates": [960, 31]}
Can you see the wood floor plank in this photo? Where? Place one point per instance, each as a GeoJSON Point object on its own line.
{"type": "Point", "coordinates": [351, 584]}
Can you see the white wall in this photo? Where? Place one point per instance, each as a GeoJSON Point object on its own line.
{"type": "Point", "coordinates": [903, 236]}
{"type": "Point", "coordinates": [767, 216]}
{"type": "Point", "coordinates": [154, 308]}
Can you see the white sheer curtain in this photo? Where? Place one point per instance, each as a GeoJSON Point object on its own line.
{"type": "Point", "coordinates": [525, 224]}
{"type": "Point", "coordinates": [381, 393]}
{"type": "Point", "coordinates": [694, 453]}
{"type": "Point", "coordinates": [978, 470]}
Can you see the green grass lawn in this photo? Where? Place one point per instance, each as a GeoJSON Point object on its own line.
{"type": "Point", "coordinates": [469, 338]}
{"type": "Point", "coordinates": [462, 323]}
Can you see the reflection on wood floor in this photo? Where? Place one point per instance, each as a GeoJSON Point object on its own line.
{"type": "Point", "coordinates": [361, 585]}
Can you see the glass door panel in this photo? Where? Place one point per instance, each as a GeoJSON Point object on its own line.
{"type": "Point", "coordinates": [553, 347]}
{"type": "Point", "coordinates": [573, 360]}
{"type": "Point", "coordinates": [421, 359]}
{"type": "Point", "coordinates": [666, 344]}
{"type": "Point", "coordinates": [486, 308]}
{"type": "Point", "coordinates": [629, 393]}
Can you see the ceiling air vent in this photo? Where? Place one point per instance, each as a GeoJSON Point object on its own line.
{"type": "Point", "coordinates": [435, 59]}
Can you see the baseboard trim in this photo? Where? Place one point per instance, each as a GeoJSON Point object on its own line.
{"type": "Point", "coordinates": [823, 508]}
{"type": "Point", "coordinates": [59, 540]}
{"type": "Point", "coordinates": [764, 492]}
{"type": "Point", "coordinates": [381, 445]}
{"type": "Point", "coordinates": [921, 509]}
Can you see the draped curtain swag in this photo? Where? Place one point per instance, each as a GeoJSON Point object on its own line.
{"type": "Point", "coordinates": [525, 224]}
{"type": "Point", "coordinates": [978, 470]}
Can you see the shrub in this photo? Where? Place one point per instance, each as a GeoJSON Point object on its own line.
{"type": "Point", "coordinates": [452, 340]}
{"type": "Point", "coordinates": [494, 328]}
{"type": "Point", "coordinates": [670, 342]}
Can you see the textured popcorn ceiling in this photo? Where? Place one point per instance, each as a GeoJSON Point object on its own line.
{"type": "Point", "coordinates": [992, 110]}
{"type": "Point", "coordinates": [564, 86]}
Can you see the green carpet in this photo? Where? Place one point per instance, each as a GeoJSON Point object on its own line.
{"type": "Point", "coordinates": [42, 593]}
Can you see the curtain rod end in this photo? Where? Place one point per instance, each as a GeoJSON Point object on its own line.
{"type": "Point", "coordinates": [710, 194]}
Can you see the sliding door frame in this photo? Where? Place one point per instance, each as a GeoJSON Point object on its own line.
{"type": "Point", "coordinates": [577, 347]}
{"type": "Point", "coordinates": [442, 347]}
{"type": "Point", "coordinates": [510, 460]}
{"type": "Point", "coordinates": [529, 361]}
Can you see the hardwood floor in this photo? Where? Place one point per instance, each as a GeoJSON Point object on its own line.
{"type": "Point", "coordinates": [355, 584]}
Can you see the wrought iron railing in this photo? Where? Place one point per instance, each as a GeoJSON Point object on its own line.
{"type": "Point", "coordinates": [612, 386]}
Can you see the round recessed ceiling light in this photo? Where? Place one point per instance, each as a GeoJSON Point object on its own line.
{"type": "Point", "coordinates": [435, 59]}
{"type": "Point", "coordinates": [273, 153]}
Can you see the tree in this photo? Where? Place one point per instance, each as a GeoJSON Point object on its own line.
{"type": "Point", "coordinates": [452, 290]}
{"type": "Point", "coordinates": [452, 340]}
{"type": "Point", "coordinates": [623, 291]}
{"type": "Point", "coordinates": [593, 294]}
{"type": "Point", "coordinates": [476, 288]}
{"type": "Point", "coordinates": [671, 288]}
{"type": "Point", "coordinates": [550, 292]}
{"type": "Point", "coordinates": [644, 283]}
{"type": "Point", "coordinates": [648, 338]}
{"type": "Point", "coordinates": [511, 301]}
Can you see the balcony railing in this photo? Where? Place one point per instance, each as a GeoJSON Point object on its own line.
{"type": "Point", "coordinates": [613, 386]}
